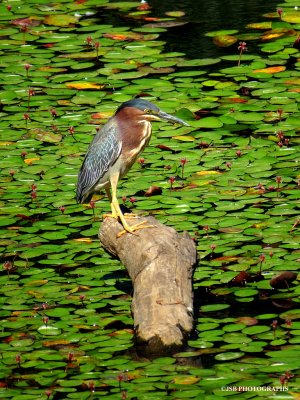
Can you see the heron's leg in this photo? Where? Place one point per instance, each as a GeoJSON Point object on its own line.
{"type": "Point", "coordinates": [116, 207]}
{"type": "Point", "coordinates": [113, 214]}
{"type": "Point", "coordinates": [108, 193]}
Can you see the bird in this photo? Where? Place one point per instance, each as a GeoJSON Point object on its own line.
{"type": "Point", "coordinates": [114, 150]}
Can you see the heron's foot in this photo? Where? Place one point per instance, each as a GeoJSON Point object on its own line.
{"type": "Point", "coordinates": [131, 215]}
{"type": "Point", "coordinates": [133, 228]}
{"type": "Point", "coordinates": [110, 215]}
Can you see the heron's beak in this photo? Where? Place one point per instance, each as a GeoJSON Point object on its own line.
{"type": "Point", "coordinates": [170, 118]}
{"type": "Point", "coordinates": [161, 115]}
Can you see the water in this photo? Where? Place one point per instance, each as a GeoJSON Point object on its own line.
{"type": "Point", "coordinates": [206, 16]}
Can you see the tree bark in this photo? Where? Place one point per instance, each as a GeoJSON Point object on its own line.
{"type": "Point", "coordinates": [160, 263]}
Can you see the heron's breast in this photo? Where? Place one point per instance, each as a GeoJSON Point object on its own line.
{"type": "Point", "coordinates": [135, 141]}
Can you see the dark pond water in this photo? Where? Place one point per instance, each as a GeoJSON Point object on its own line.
{"type": "Point", "coordinates": [206, 16]}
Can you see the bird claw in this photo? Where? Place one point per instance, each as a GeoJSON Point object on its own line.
{"type": "Point", "coordinates": [110, 216]}
{"type": "Point", "coordinates": [131, 215]}
{"type": "Point", "coordinates": [131, 229]}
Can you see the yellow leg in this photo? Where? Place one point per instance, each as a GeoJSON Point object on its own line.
{"type": "Point", "coordinates": [113, 214]}
{"type": "Point", "coordinates": [116, 210]}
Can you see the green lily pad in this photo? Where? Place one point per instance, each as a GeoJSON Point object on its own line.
{"type": "Point", "coordinates": [48, 330]}
{"type": "Point", "coordinates": [246, 292]}
{"type": "Point", "coordinates": [229, 356]}
{"type": "Point", "coordinates": [222, 32]}
{"type": "Point", "coordinates": [248, 116]}
{"type": "Point", "coordinates": [208, 122]}
{"type": "Point", "coordinates": [236, 337]}
{"type": "Point", "coordinates": [198, 62]}
{"type": "Point", "coordinates": [214, 307]}
{"type": "Point", "coordinates": [49, 137]}
{"type": "Point", "coordinates": [252, 330]}
{"type": "Point", "coordinates": [292, 17]}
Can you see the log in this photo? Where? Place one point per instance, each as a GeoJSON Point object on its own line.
{"type": "Point", "coordinates": [160, 263]}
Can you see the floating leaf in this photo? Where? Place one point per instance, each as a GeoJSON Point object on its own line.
{"type": "Point", "coordinates": [253, 330]}
{"type": "Point", "coordinates": [124, 36]}
{"type": "Point", "coordinates": [49, 330]}
{"type": "Point", "coordinates": [208, 122]}
{"type": "Point", "coordinates": [236, 337]}
{"type": "Point", "coordinates": [282, 281]}
{"type": "Point", "coordinates": [27, 22]}
{"type": "Point", "coordinates": [29, 161]}
{"type": "Point", "coordinates": [175, 13]}
{"type": "Point", "coordinates": [248, 116]}
{"type": "Point", "coordinates": [229, 356]}
{"type": "Point", "coordinates": [48, 137]}
{"type": "Point", "coordinates": [102, 115]}
{"type": "Point", "coordinates": [84, 85]}
{"type": "Point", "coordinates": [214, 307]}
{"type": "Point", "coordinates": [185, 138]}
{"type": "Point", "coordinates": [165, 24]}
{"type": "Point", "coordinates": [222, 32]}
{"type": "Point", "coordinates": [277, 33]}
{"type": "Point", "coordinates": [153, 191]}
{"type": "Point", "coordinates": [272, 47]}
{"type": "Point", "coordinates": [186, 380]}
{"type": "Point", "coordinates": [291, 16]}
{"type": "Point", "coordinates": [260, 25]}
{"type": "Point", "coordinates": [224, 40]}
{"type": "Point", "coordinates": [233, 327]}
{"type": "Point", "coordinates": [83, 240]}
{"type": "Point", "coordinates": [204, 173]}
{"type": "Point", "coordinates": [60, 19]}
{"type": "Point", "coordinates": [246, 292]}
{"type": "Point", "coordinates": [270, 70]}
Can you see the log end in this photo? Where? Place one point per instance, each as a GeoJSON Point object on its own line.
{"type": "Point", "coordinates": [166, 340]}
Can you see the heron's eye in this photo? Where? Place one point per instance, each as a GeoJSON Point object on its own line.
{"type": "Point", "coordinates": [147, 111]}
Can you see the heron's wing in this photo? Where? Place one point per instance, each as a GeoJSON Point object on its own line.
{"type": "Point", "coordinates": [102, 154]}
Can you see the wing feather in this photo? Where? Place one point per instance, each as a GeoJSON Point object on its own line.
{"type": "Point", "coordinates": [101, 155]}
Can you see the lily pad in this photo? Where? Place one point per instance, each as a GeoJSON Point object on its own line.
{"type": "Point", "coordinates": [60, 20]}
{"type": "Point", "coordinates": [214, 307]}
{"type": "Point", "coordinates": [224, 40]}
{"type": "Point", "coordinates": [48, 330]}
{"type": "Point", "coordinates": [208, 122]}
{"type": "Point", "coordinates": [229, 356]}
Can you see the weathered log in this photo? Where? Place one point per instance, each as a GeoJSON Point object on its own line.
{"type": "Point", "coordinates": [160, 263]}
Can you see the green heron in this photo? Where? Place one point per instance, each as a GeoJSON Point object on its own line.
{"type": "Point", "coordinates": [114, 150]}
